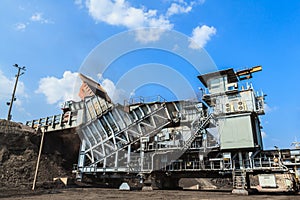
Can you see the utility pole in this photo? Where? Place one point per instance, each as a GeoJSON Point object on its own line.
{"type": "Point", "coordinates": [14, 91]}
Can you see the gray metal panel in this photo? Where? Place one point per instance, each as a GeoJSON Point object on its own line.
{"type": "Point", "coordinates": [236, 132]}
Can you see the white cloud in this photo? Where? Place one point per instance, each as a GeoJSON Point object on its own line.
{"type": "Point", "coordinates": [38, 17]}
{"type": "Point", "coordinates": [121, 13]}
{"type": "Point", "coordinates": [269, 109]}
{"type": "Point", "coordinates": [149, 35]}
{"type": "Point", "coordinates": [178, 9]}
{"type": "Point", "coordinates": [59, 90]}
{"type": "Point", "coordinates": [79, 3]}
{"type": "Point", "coordinates": [100, 76]}
{"type": "Point", "coordinates": [175, 47]}
{"type": "Point", "coordinates": [200, 1]}
{"type": "Point", "coordinates": [21, 8]}
{"type": "Point", "coordinates": [116, 95]}
{"type": "Point", "coordinates": [201, 35]}
{"type": "Point", "coordinates": [132, 93]}
{"type": "Point", "coordinates": [7, 86]}
{"type": "Point", "coordinates": [20, 26]}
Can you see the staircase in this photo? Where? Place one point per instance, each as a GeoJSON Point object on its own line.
{"type": "Point", "coordinates": [239, 182]}
{"type": "Point", "coordinates": [197, 127]}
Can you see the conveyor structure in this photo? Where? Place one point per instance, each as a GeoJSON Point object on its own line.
{"type": "Point", "coordinates": [151, 141]}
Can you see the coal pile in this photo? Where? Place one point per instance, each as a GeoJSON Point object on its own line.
{"type": "Point", "coordinates": [19, 146]}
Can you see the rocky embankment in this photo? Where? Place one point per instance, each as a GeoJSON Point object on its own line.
{"type": "Point", "coordinates": [19, 146]}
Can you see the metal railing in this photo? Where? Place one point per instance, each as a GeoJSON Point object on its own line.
{"type": "Point", "coordinates": [141, 99]}
{"type": "Point", "coordinates": [55, 122]}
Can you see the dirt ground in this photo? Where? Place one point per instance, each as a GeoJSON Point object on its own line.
{"type": "Point", "coordinates": [18, 154]}
{"type": "Point", "coordinates": [100, 193]}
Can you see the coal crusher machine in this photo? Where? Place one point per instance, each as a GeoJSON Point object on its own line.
{"type": "Point", "coordinates": [153, 142]}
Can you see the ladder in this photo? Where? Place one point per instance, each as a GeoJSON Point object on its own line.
{"type": "Point", "coordinates": [239, 179]}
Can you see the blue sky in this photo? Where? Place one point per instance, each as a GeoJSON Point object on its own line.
{"type": "Point", "coordinates": [53, 39]}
